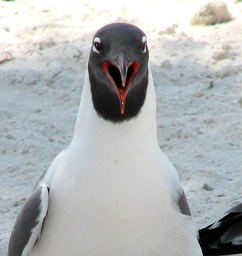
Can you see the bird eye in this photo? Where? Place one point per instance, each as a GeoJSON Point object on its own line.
{"type": "Point", "coordinates": [97, 45]}
{"type": "Point", "coordinates": [144, 44]}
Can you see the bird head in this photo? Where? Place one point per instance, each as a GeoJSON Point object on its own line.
{"type": "Point", "coordinates": [118, 71]}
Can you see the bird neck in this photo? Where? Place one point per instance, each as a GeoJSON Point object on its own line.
{"type": "Point", "coordinates": [89, 123]}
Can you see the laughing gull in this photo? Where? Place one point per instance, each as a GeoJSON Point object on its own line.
{"type": "Point", "coordinates": [112, 192]}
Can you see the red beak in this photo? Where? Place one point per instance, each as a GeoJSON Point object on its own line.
{"type": "Point", "coordinates": [121, 74]}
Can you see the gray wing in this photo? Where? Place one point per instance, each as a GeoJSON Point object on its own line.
{"type": "Point", "coordinates": [28, 225]}
{"type": "Point", "coordinates": [183, 204]}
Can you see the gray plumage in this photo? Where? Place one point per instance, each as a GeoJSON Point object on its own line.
{"type": "Point", "coordinates": [28, 224]}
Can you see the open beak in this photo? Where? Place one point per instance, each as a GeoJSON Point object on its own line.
{"type": "Point", "coordinates": [121, 74]}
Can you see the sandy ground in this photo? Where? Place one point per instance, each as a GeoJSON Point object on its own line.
{"type": "Point", "coordinates": [44, 47]}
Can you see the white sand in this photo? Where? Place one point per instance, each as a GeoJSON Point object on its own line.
{"type": "Point", "coordinates": [198, 84]}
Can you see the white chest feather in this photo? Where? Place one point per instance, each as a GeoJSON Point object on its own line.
{"type": "Point", "coordinates": [116, 202]}
{"type": "Point", "coordinates": [113, 193]}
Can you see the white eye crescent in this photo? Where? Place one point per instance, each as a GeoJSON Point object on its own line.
{"type": "Point", "coordinates": [97, 45]}
{"type": "Point", "coordinates": [144, 42]}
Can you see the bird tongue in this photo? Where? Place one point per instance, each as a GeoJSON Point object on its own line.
{"type": "Point", "coordinates": [120, 79]}
{"type": "Point", "coordinates": [122, 97]}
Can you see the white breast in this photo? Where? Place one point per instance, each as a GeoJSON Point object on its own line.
{"type": "Point", "coordinates": [114, 193]}
{"type": "Point", "coordinates": [116, 203]}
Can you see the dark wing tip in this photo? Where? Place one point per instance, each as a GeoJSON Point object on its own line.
{"type": "Point", "coordinates": [223, 237]}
